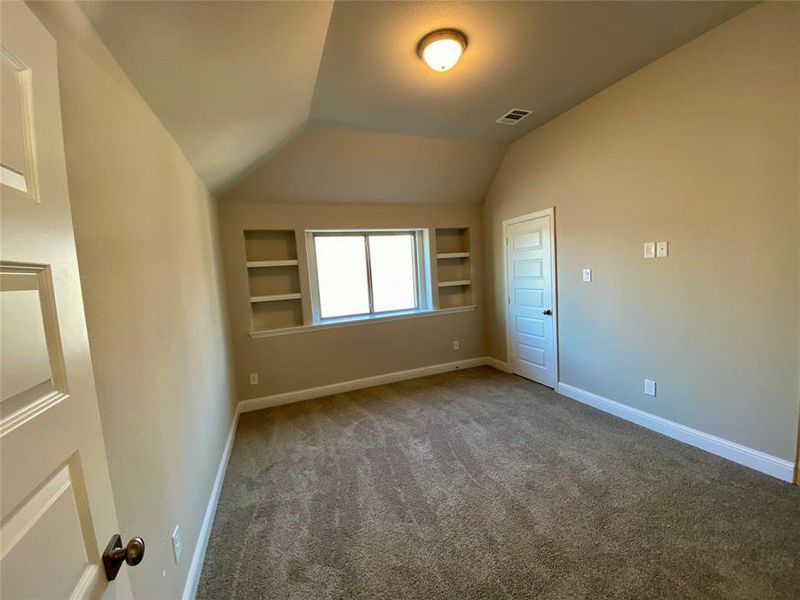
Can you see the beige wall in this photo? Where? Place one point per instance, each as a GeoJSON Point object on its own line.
{"type": "Point", "coordinates": [148, 250]}
{"type": "Point", "coordinates": [332, 164]}
{"type": "Point", "coordinates": [303, 360]}
{"type": "Point", "coordinates": [699, 148]}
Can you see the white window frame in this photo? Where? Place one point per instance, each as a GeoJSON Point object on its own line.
{"type": "Point", "coordinates": [424, 299]}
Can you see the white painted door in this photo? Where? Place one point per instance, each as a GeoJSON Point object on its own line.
{"type": "Point", "coordinates": [531, 299]}
{"type": "Point", "coordinates": [55, 492]}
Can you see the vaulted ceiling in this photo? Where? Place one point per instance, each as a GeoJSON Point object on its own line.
{"type": "Point", "coordinates": [231, 81]}
{"type": "Point", "coordinates": [234, 82]}
{"type": "Point", "coordinates": [331, 164]}
{"type": "Point", "coordinates": [541, 56]}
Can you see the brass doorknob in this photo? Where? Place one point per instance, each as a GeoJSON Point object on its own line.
{"type": "Point", "coordinates": [133, 553]}
{"type": "Point", "coordinates": [115, 554]}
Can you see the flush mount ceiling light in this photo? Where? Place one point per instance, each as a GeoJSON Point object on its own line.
{"type": "Point", "coordinates": [441, 49]}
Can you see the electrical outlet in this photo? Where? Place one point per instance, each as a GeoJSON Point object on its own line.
{"type": "Point", "coordinates": [253, 378]}
{"type": "Point", "coordinates": [649, 387]}
{"type": "Point", "coordinates": [649, 249]}
{"type": "Point", "coordinates": [662, 249]}
{"type": "Point", "coordinates": [177, 544]}
{"type": "Point", "coordinates": [456, 345]}
{"type": "Point", "coordinates": [587, 275]}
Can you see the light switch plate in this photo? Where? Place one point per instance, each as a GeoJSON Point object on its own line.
{"type": "Point", "coordinates": [587, 275]}
{"type": "Point", "coordinates": [253, 378]}
{"type": "Point", "coordinates": [662, 249]}
{"type": "Point", "coordinates": [649, 249]}
{"type": "Point", "coordinates": [177, 544]}
{"type": "Point", "coordinates": [649, 387]}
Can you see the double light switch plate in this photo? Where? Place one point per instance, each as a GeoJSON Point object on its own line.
{"type": "Point", "coordinates": [656, 249]}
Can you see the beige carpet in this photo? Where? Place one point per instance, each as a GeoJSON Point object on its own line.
{"type": "Point", "coordinates": [478, 484]}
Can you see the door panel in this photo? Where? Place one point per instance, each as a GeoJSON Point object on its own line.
{"type": "Point", "coordinates": [530, 326]}
{"type": "Point", "coordinates": [55, 492]}
{"type": "Point", "coordinates": [531, 354]}
{"type": "Point", "coordinates": [530, 285]}
{"type": "Point", "coordinates": [529, 298]}
{"type": "Point", "coordinates": [55, 517]}
{"type": "Point", "coordinates": [527, 241]}
{"type": "Point", "coordinates": [528, 268]}
{"type": "Point", "coordinates": [17, 149]}
{"type": "Point", "coordinates": [32, 364]}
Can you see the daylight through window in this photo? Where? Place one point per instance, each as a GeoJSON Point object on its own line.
{"type": "Point", "coordinates": [366, 273]}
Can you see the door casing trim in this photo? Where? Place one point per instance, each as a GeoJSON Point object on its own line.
{"type": "Point", "coordinates": [797, 458]}
{"type": "Point", "coordinates": [547, 212]}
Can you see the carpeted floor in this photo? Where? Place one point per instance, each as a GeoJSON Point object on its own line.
{"type": "Point", "coordinates": [479, 484]}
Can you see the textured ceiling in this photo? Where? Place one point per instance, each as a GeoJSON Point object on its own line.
{"type": "Point", "coordinates": [231, 81]}
{"type": "Point", "coordinates": [235, 81]}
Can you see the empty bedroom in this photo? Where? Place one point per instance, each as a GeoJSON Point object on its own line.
{"type": "Point", "coordinates": [347, 299]}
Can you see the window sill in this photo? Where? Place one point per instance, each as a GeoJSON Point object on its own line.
{"type": "Point", "coordinates": [355, 321]}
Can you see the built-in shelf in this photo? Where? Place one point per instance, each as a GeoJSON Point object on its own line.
{"type": "Point", "coordinates": [257, 264]}
{"type": "Point", "coordinates": [269, 244]}
{"type": "Point", "coordinates": [455, 283]}
{"type": "Point", "coordinates": [452, 240]}
{"type": "Point", "coordinates": [273, 276]}
{"type": "Point", "coordinates": [276, 298]}
{"type": "Point", "coordinates": [453, 267]}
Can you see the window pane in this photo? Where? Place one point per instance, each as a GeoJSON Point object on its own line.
{"type": "Point", "coordinates": [342, 273]}
{"type": "Point", "coordinates": [392, 258]}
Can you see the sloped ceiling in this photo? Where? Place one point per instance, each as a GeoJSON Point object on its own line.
{"type": "Point", "coordinates": [231, 81]}
{"type": "Point", "coordinates": [234, 82]}
{"type": "Point", "coordinates": [542, 56]}
{"type": "Point", "coordinates": [347, 165]}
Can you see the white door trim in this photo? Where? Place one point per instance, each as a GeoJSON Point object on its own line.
{"type": "Point", "coordinates": [551, 212]}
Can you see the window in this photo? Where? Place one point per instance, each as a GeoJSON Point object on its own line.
{"type": "Point", "coordinates": [366, 273]}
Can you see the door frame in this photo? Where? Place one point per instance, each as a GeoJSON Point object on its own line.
{"type": "Point", "coordinates": [547, 212]}
{"type": "Point", "coordinates": [797, 457]}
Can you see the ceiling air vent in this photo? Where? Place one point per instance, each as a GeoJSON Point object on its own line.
{"type": "Point", "coordinates": [514, 116]}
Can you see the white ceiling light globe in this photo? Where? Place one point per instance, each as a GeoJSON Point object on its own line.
{"type": "Point", "coordinates": [441, 50]}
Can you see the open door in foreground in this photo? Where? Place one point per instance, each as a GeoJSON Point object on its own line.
{"type": "Point", "coordinates": [55, 493]}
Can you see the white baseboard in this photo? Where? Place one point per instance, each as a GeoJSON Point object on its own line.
{"type": "Point", "coordinates": [357, 384]}
{"type": "Point", "coordinates": [193, 577]}
{"type": "Point", "coordinates": [498, 364]}
{"type": "Point", "coordinates": [755, 459]}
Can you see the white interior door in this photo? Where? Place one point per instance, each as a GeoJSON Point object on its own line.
{"type": "Point", "coordinates": [55, 493]}
{"type": "Point", "coordinates": [530, 285]}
